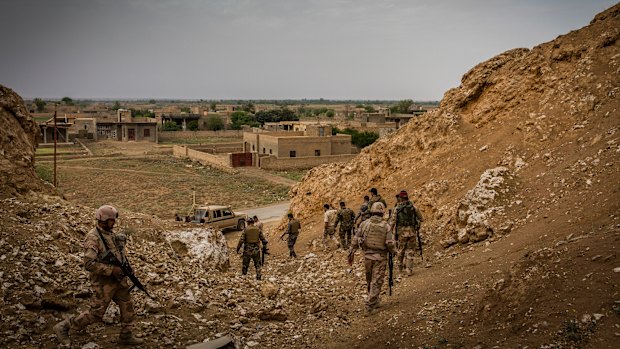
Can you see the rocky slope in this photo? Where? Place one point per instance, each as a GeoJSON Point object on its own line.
{"type": "Point", "coordinates": [18, 140]}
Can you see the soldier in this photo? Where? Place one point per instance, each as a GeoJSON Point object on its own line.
{"type": "Point", "coordinates": [364, 212]}
{"type": "Point", "coordinates": [258, 224]}
{"type": "Point", "coordinates": [107, 281]}
{"type": "Point", "coordinates": [250, 239]}
{"type": "Point", "coordinates": [292, 230]}
{"type": "Point", "coordinates": [408, 219]}
{"type": "Point", "coordinates": [375, 197]}
{"type": "Point", "coordinates": [345, 218]}
{"type": "Point", "coordinates": [329, 218]}
{"type": "Point", "coordinates": [375, 238]}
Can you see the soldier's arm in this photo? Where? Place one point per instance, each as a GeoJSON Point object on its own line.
{"type": "Point", "coordinates": [418, 214]}
{"type": "Point", "coordinates": [91, 258]}
{"type": "Point", "coordinates": [262, 237]}
{"type": "Point", "coordinates": [241, 241]}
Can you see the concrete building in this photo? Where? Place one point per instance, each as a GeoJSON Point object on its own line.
{"type": "Point", "coordinates": [317, 140]}
{"type": "Point", "coordinates": [127, 131]}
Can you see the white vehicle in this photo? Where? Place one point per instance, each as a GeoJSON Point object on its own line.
{"type": "Point", "coordinates": [219, 217]}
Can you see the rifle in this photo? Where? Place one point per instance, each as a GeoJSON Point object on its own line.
{"type": "Point", "coordinates": [417, 233]}
{"type": "Point", "coordinates": [283, 235]}
{"type": "Point", "coordinates": [265, 251]}
{"type": "Point", "coordinates": [111, 259]}
{"type": "Point", "coordinates": [391, 259]}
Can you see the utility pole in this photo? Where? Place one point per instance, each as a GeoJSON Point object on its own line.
{"type": "Point", "coordinates": [55, 140]}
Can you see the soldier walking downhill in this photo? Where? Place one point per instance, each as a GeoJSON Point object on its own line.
{"type": "Point", "coordinates": [250, 239]}
{"type": "Point", "coordinates": [408, 220]}
{"type": "Point", "coordinates": [364, 212]}
{"type": "Point", "coordinates": [292, 230]}
{"type": "Point", "coordinates": [375, 197]}
{"type": "Point", "coordinates": [107, 281]}
{"type": "Point", "coordinates": [345, 218]}
{"type": "Point", "coordinates": [375, 238]}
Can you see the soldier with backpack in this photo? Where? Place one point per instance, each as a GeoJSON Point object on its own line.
{"type": "Point", "coordinates": [345, 218]}
{"type": "Point", "coordinates": [407, 222]}
{"type": "Point", "coordinates": [375, 238]}
{"type": "Point", "coordinates": [249, 240]}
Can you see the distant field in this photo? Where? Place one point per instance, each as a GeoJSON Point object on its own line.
{"type": "Point", "coordinates": [59, 150]}
{"type": "Point", "coordinates": [159, 185]}
{"type": "Point", "coordinates": [295, 175]}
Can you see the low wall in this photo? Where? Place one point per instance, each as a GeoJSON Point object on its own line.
{"type": "Point", "coordinates": [168, 135]}
{"type": "Point", "coordinates": [274, 163]}
{"type": "Point", "coordinates": [220, 162]}
{"type": "Point", "coordinates": [229, 147]}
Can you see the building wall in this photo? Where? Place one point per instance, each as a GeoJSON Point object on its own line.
{"type": "Point", "coordinates": [173, 135]}
{"type": "Point", "coordinates": [274, 163]}
{"type": "Point", "coordinates": [139, 132]}
{"type": "Point", "coordinates": [220, 162]}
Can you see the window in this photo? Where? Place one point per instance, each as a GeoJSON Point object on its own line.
{"type": "Point", "coordinates": [317, 152]}
{"type": "Point", "coordinates": [321, 132]}
{"type": "Point", "coordinates": [253, 147]}
{"type": "Point", "coordinates": [264, 151]}
{"type": "Point", "coordinates": [227, 213]}
{"type": "Point", "coordinates": [86, 127]}
{"type": "Point", "coordinates": [293, 153]}
{"type": "Point", "coordinates": [147, 132]}
{"type": "Point", "coordinates": [270, 151]}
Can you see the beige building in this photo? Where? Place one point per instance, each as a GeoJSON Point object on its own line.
{"type": "Point", "coordinates": [317, 140]}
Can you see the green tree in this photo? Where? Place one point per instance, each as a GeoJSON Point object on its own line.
{"type": "Point", "coordinates": [152, 101]}
{"type": "Point", "coordinates": [248, 107]}
{"type": "Point", "coordinates": [359, 139]}
{"type": "Point", "coordinates": [170, 126]}
{"type": "Point", "coordinates": [276, 115]}
{"type": "Point", "coordinates": [370, 109]}
{"type": "Point", "coordinates": [67, 101]}
{"type": "Point", "coordinates": [402, 107]}
{"type": "Point", "coordinates": [193, 125]}
{"type": "Point", "coordinates": [116, 106]}
{"type": "Point", "coordinates": [214, 122]}
{"type": "Point", "coordinates": [40, 104]}
{"type": "Point", "coordinates": [240, 118]}
{"type": "Point", "coordinates": [330, 113]}
{"type": "Point", "coordinates": [213, 106]}
{"type": "Point", "coordinates": [185, 110]}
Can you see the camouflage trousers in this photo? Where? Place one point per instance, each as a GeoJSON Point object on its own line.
{"type": "Point", "coordinates": [345, 236]}
{"type": "Point", "coordinates": [329, 233]}
{"type": "Point", "coordinates": [251, 252]}
{"type": "Point", "coordinates": [375, 275]}
{"type": "Point", "coordinates": [105, 290]}
{"type": "Point", "coordinates": [292, 238]}
{"type": "Point", "coordinates": [407, 243]}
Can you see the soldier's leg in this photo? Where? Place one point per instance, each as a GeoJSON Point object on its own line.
{"type": "Point", "coordinates": [246, 262]}
{"type": "Point", "coordinates": [378, 275]}
{"type": "Point", "coordinates": [257, 264]}
{"type": "Point", "coordinates": [368, 269]}
{"type": "Point", "coordinates": [400, 252]}
{"type": "Point", "coordinates": [99, 301]}
{"type": "Point", "coordinates": [128, 314]}
{"type": "Point", "coordinates": [342, 235]}
{"type": "Point", "coordinates": [332, 235]}
{"type": "Point", "coordinates": [291, 245]}
{"type": "Point", "coordinates": [409, 255]}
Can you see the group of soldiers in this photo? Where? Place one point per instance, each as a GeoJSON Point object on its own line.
{"type": "Point", "coordinates": [105, 258]}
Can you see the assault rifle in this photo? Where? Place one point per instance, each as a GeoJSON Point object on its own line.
{"type": "Point", "coordinates": [391, 263]}
{"type": "Point", "coordinates": [417, 233]}
{"type": "Point", "coordinates": [111, 259]}
{"type": "Point", "coordinates": [283, 235]}
{"type": "Point", "coordinates": [265, 251]}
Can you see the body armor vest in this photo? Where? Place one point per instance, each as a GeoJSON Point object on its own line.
{"type": "Point", "coordinates": [375, 237]}
{"type": "Point", "coordinates": [294, 227]}
{"type": "Point", "coordinates": [406, 215]}
{"type": "Point", "coordinates": [252, 235]}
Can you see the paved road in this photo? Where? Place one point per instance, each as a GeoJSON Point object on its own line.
{"type": "Point", "coordinates": [268, 213]}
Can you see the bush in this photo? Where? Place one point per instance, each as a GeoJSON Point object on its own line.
{"type": "Point", "coordinates": [45, 173]}
{"type": "Point", "coordinates": [240, 118]}
{"type": "Point", "coordinates": [359, 139]}
{"type": "Point", "coordinates": [170, 126]}
{"type": "Point", "coordinates": [215, 123]}
{"type": "Point", "coordinates": [193, 125]}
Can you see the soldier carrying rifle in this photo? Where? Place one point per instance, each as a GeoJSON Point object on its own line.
{"type": "Point", "coordinates": [407, 222]}
{"type": "Point", "coordinates": [105, 260]}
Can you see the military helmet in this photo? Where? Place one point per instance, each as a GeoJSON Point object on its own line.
{"type": "Point", "coordinates": [106, 212]}
{"type": "Point", "coordinates": [403, 194]}
{"type": "Point", "coordinates": [377, 207]}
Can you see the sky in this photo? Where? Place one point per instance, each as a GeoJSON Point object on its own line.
{"type": "Point", "coordinates": [266, 49]}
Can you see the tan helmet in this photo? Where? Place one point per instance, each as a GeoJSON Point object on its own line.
{"type": "Point", "coordinates": [106, 212]}
{"type": "Point", "coordinates": [377, 207]}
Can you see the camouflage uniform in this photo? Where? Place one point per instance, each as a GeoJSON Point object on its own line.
{"type": "Point", "coordinates": [292, 230]}
{"type": "Point", "coordinates": [330, 217]}
{"type": "Point", "coordinates": [408, 220]}
{"type": "Point", "coordinates": [375, 255]}
{"type": "Point", "coordinates": [345, 218]}
{"type": "Point", "coordinates": [376, 198]}
{"type": "Point", "coordinates": [105, 287]}
{"type": "Point", "coordinates": [251, 248]}
{"type": "Point", "coordinates": [364, 212]}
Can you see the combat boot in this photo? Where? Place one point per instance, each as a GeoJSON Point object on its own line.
{"type": "Point", "coordinates": [129, 339]}
{"type": "Point", "coordinates": [62, 332]}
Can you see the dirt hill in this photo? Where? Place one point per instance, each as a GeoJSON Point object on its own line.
{"type": "Point", "coordinates": [18, 140]}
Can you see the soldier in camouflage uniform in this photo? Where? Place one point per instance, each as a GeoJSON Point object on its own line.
{"type": "Point", "coordinates": [345, 218]}
{"type": "Point", "coordinates": [329, 228]}
{"type": "Point", "coordinates": [408, 219]}
{"type": "Point", "coordinates": [375, 197]}
{"type": "Point", "coordinates": [364, 212]}
{"type": "Point", "coordinates": [375, 237]}
{"type": "Point", "coordinates": [107, 281]}
{"type": "Point", "coordinates": [292, 230]}
{"type": "Point", "coordinates": [250, 239]}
